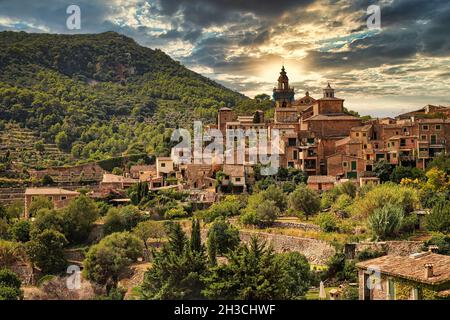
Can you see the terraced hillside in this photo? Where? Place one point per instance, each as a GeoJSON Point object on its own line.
{"type": "Point", "coordinates": [25, 148]}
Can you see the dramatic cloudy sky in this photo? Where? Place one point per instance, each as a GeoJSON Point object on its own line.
{"type": "Point", "coordinates": [242, 43]}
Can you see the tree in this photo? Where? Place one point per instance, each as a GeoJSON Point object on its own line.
{"type": "Point", "coordinates": [439, 218]}
{"type": "Point", "coordinates": [382, 170]}
{"type": "Point", "coordinates": [149, 230]}
{"type": "Point", "coordinates": [440, 240]}
{"type": "Point", "coordinates": [45, 250]}
{"type": "Point", "coordinates": [348, 188]}
{"type": "Point", "coordinates": [39, 203]}
{"type": "Point", "coordinates": [106, 260]}
{"type": "Point", "coordinates": [386, 221]}
{"type": "Point", "coordinates": [401, 172]}
{"type": "Point", "coordinates": [47, 219]}
{"type": "Point", "coordinates": [122, 219]}
{"type": "Point", "coordinates": [304, 200]}
{"type": "Point", "coordinates": [15, 209]}
{"type": "Point", "coordinates": [223, 237]}
{"type": "Point", "coordinates": [260, 212]}
{"type": "Point", "coordinates": [177, 270]}
{"type": "Point", "coordinates": [10, 285]}
{"type": "Point", "coordinates": [252, 273]}
{"type": "Point", "coordinates": [195, 241]}
{"type": "Point", "coordinates": [327, 222]}
{"type": "Point", "coordinates": [117, 171]}
{"type": "Point", "coordinates": [276, 195]}
{"type": "Point", "coordinates": [62, 141]}
{"type": "Point", "coordinates": [297, 274]}
{"type": "Point", "coordinates": [79, 217]}
{"type": "Point", "coordinates": [47, 180]}
{"type": "Point", "coordinates": [20, 231]}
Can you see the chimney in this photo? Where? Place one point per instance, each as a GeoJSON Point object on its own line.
{"type": "Point", "coordinates": [428, 270]}
{"type": "Point", "coordinates": [433, 249]}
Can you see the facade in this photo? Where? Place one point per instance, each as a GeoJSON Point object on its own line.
{"type": "Point", "coordinates": [59, 197]}
{"type": "Point", "coordinates": [421, 276]}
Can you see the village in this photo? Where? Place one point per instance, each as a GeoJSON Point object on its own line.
{"type": "Point", "coordinates": [323, 147]}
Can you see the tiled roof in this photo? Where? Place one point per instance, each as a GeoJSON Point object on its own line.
{"type": "Point", "coordinates": [339, 117]}
{"type": "Point", "coordinates": [321, 179]}
{"type": "Point", "coordinates": [49, 191]}
{"type": "Point", "coordinates": [412, 267]}
{"type": "Point", "coordinates": [233, 170]}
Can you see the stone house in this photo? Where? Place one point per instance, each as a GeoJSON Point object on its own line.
{"type": "Point", "coordinates": [321, 183]}
{"type": "Point", "coordinates": [59, 197]}
{"type": "Point", "coordinates": [420, 276]}
{"type": "Point", "coordinates": [112, 181]}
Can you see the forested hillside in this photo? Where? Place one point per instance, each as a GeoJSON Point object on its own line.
{"type": "Point", "coordinates": [101, 95]}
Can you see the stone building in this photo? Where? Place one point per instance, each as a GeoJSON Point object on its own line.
{"type": "Point", "coordinates": [59, 197]}
{"type": "Point", "coordinates": [420, 276]}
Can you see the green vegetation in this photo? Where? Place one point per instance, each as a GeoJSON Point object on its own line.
{"type": "Point", "coordinates": [95, 95]}
{"type": "Point", "coordinates": [10, 285]}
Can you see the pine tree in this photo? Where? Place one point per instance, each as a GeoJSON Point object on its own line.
{"type": "Point", "coordinates": [196, 242]}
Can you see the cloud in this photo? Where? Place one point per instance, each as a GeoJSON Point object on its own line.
{"type": "Point", "coordinates": [243, 43]}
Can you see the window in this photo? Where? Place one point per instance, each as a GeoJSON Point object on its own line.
{"type": "Point", "coordinates": [425, 128]}
{"type": "Point", "coordinates": [163, 165]}
{"type": "Point", "coordinates": [365, 146]}
{"type": "Point", "coordinates": [394, 155]}
{"type": "Point", "coordinates": [391, 289]}
{"type": "Point", "coordinates": [357, 134]}
{"type": "Point", "coordinates": [423, 137]}
{"type": "Point", "coordinates": [292, 142]}
{"type": "Point", "coordinates": [344, 163]}
{"type": "Point", "coordinates": [415, 294]}
{"type": "Point", "coordinates": [433, 139]}
{"type": "Point", "coordinates": [368, 157]}
{"type": "Point", "coordinates": [295, 155]}
{"type": "Point", "coordinates": [364, 134]}
{"type": "Point", "coordinates": [353, 165]}
{"type": "Point", "coordinates": [63, 198]}
{"type": "Point", "coordinates": [438, 127]}
{"type": "Point", "coordinates": [238, 179]}
{"type": "Point", "coordinates": [402, 142]}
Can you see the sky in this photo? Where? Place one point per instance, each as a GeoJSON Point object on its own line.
{"type": "Point", "coordinates": [401, 66]}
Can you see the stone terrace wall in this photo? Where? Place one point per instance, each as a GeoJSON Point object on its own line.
{"type": "Point", "coordinates": [316, 251]}
{"type": "Point", "coordinates": [296, 225]}
{"type": "Point", "coordinates": [398, 248]}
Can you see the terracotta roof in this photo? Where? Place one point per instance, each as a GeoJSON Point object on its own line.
{"type": "Point", "coordinates": [339, 117]}
{"type": "Point", "coordinates": [412, 267]}
{"type": "Point", "coordinates": [362, 128]}
{"type": "Point", "coordinates": [112, 178]}
{"type": "Point", "coordinates": [347, 140]}
{"type": "Point", "coordinates": [233, 170]}
{"type": "Point", "coordinates": [49, 191]}
{"type": "Point", "coordinates": [321, 179]}
{"type": "Point", "coordinates": [138, 168]}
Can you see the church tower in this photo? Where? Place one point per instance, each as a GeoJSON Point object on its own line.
{"type": "Point", "coordinates": [328, 92]}
{"type": "Point", "coordinates": [284, 97]}
{"type": "Point", "coordinates": [283, 94]}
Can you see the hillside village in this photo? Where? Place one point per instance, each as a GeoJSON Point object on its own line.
{"type": "Point", "coordinates": [355, 200]}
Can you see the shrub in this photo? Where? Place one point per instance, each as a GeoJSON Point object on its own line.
{"type": "Point", "coordinates": [177, 212]}
{"type": "Point", "coordinates": [327, 222]}
{"type": "Point", "coordinates": [368, 254]}
{"type": "Point", "coordinates": [440, 240]}
{"type": "Point", "coordinates": [386, 221]}
{"type": "Point", "coordinates": [10, 285]}
{"type": "Point", "coordinates": [260, 212]}
{"type": "Point", "coordinates": [275, 194]}
{"type": "Point", "coordinates": [439, 218]}
{"type": "Point", "coordinates": [388, 193]}
{"type": "Point", "coordinates": [122, 219]}
{"type": "Point", "coordinates": [39, 203]}
{"type": "Point", "coordinates": [20, 231]}
{"type": "Point", "coordinates": [342, 203]}
{"type": "Point", "coordinates": [348, 188]}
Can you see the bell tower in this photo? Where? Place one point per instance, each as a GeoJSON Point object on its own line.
{"type": "Point", "coordinates": [283, 94]}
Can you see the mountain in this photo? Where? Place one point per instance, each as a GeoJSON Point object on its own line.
{"type": "Point", "coordinates": [101, 95]}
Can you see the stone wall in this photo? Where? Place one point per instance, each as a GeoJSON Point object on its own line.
{"type": "Point", "coordinates": [296, 225]}
{"type": "Point", "coordinates": [316, 251]}
{"type": "Point", "coordinates": [398, 248]}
